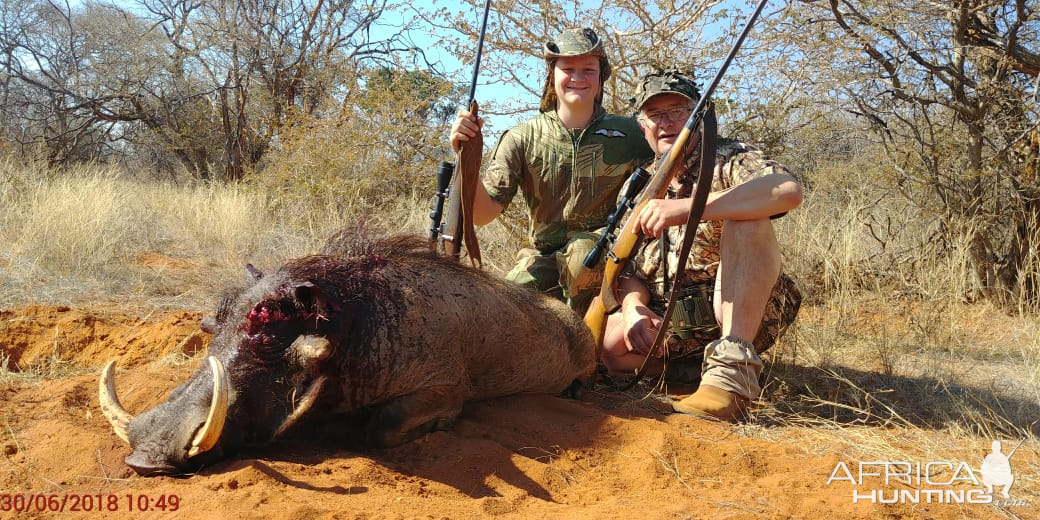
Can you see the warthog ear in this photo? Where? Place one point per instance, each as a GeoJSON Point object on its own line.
{"type": "Point", "coordinates": [300, 305]}
{"type": "Point", "coordinates": [254, 273]}
{"type": "Point", "coordinates": [312, 298]}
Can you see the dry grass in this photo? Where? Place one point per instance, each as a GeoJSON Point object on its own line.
{"type": "Point", "coordinates": [886, 359]}
{"type": "Point", "coordinates": [889, 359]}
{"type": "Point", "coordinates": [81, 236]}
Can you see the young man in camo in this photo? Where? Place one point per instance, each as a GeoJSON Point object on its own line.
{"type": "Point", "coordinates": [569, 162]}
{"type": "Point", "coordinates": [735, 301]}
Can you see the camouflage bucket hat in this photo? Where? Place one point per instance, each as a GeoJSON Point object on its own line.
{"type": "Point", "coordinates": [667, 82]}
{"type": "Point", "coordinates": [574, 42]}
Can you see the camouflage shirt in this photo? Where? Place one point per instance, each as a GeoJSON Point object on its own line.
{"type": "Point", "coordinates": [736, 163]}
{"type": "Point", "coordinates": [569, 179]}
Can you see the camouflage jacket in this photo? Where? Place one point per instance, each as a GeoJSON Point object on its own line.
{"type": "Point", "coordinates": [736, 163]}
{"type": "Point", "coordinates": [569, 179]}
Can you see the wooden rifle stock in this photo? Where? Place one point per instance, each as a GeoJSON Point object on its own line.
{"type": "Point", "coordinates": [628, 238]}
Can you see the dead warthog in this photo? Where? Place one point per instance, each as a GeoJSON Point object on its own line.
{"type": "Point", "coordinates": [386, 327]}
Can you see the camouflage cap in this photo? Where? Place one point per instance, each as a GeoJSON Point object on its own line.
{"type": "Point", "coordinates": [574, 42]}
{"type": "Point", "coordinates": [666, 82]}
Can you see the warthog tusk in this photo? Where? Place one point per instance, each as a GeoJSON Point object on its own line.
{"type": "Point", "coordinates": [310, 396]}
{"type": "Point", "coordinates": [110, 406]}
{"type": "Point", "coordinates": [209, 434]}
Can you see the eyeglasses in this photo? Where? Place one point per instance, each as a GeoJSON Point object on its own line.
{"type": "Point", "coordinates": [672, 115]}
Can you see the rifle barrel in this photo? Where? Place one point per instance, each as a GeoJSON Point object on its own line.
{"type": "Point", "coordinates": [691, 123]}
{"type": "Point", "coordinates": [480, 52]}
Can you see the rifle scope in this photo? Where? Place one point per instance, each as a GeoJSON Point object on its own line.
{"type": "Point", "coordinates": [636, 183]}
{"type": "Point", "coordinates": [444, 173]}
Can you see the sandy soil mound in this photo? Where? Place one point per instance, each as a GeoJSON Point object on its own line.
{"type": "Point", "coordinates": [608, 455]}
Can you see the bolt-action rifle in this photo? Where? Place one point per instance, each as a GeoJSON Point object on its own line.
{"type": "Point", "coordinates": [699, 132]}
{"type": "Point", "coordinates": [460, 189]}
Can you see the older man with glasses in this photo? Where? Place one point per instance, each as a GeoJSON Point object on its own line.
{"type": "Point", "coordinates": [735, 301]}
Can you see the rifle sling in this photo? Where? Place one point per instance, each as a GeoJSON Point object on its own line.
{"type": "Point", "coordinates": [469, 175]}
{"type": "Point", "coordinates": [697, 203]}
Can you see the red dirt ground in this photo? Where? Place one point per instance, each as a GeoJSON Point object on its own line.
{"type": "Point", "coordinates": [608, 455]}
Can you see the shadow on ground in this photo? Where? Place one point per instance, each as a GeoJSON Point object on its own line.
{"type": "Point", "coordinates": [846, 395]}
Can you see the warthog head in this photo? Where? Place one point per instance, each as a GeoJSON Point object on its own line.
{"type": "Point", "coordinates": [265, 369]}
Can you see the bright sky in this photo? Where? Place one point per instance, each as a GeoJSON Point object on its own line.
{"type": "Point", "coordinates": [487, 93]}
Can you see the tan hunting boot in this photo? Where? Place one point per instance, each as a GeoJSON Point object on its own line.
{"type": "Point", "coordinates": [713, 402]}
{"type": "Point", "coordinates": [728, 383]}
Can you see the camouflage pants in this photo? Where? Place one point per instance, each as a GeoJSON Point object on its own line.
{"type": "Point", "coordinates": [780, 312]}
{"type": "Point", "coordinates": [561, 273]}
